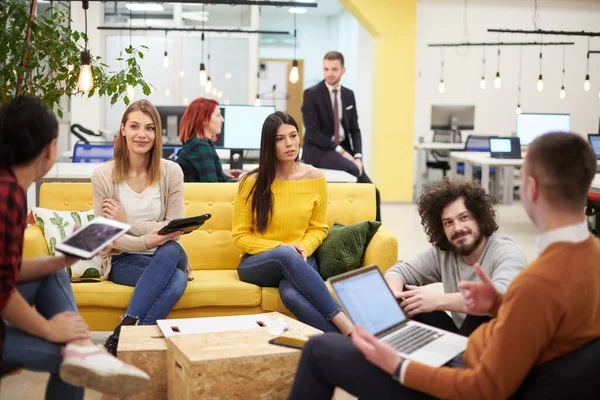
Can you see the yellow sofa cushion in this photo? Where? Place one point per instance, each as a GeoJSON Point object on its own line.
{"type": "Point", "coordinates": [209, 288]}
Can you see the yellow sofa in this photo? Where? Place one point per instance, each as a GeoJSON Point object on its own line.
{"type": "Point", "coordinates": [216, 289]}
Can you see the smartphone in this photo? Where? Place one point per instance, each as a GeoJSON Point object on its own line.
{"type": "Point", "coordinates": [287, 341]}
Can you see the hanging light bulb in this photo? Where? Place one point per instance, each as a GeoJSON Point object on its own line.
{"type": "Point", "coordinates": [228, 75]}
{"type": "Point", "coordinates": [562, 94]}
{"type": "Point", "coordinates": [294, 74]}
{"type": "Point", "coordinates": [540, 83]}
{"type": "Point", "coordinates": [130, 91]}
{"type": "Point", "coordinates": [257, 102]}
{"type": "Point", "coordinates": [203, 76]}
{"type": "Point", "coordinates": [482, 82]}
{"type": "Point", "coordinates": [85, 82]}
{"type": "Point", "coordinates": [214, 91]}
{"type": "Point", "coordinates": [586, 84]}
{"type": "Point", "coordinates": [497, 81]}
{"type": "Point", "coordinates": [219, 94]}
{"type": "Point", "coordinates": [167, 93]}
{"type": "Point", "coordinates": [518, 110]}
{"type": "Point", "coordinates": [226, 102]}
{"type": "Point", "coordinates": [441, 86]}
{"type": "Point", "coordinates": [166, 60]}
{"type": "Point", "coordinates": [181, 73]}
{"type": "Point", "coordinates": [208, 86]}
{"type": "Point", "coordinates": [186, 101]}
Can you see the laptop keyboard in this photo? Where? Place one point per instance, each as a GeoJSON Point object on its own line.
{"type": "Point", "coordinates": [412, 338]}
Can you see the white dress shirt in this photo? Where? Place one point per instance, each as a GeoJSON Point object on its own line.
{"type": "Point", "coordinates": [339, 148]}
{"type": "Point", "coordinates": [332, 96]}
{"type": "Point", "coordinates": [572, 234]}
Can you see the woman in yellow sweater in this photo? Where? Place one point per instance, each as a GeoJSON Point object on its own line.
{"type": "Point", "coordinates": [279, 221]}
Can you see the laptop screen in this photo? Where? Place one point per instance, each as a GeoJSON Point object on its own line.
{"type": "Point", "coordinates": [368, 301]}
{"type": "Point", "coordinates": [500, 145]}
{"type": "Point", "coordinates": [595, 142]}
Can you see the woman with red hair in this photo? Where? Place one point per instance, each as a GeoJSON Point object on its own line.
{"type": "Point", "coordinates": [201, 123]}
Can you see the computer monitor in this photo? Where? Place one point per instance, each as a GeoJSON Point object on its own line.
{"type": "Point", "coordinates": [530, 126]}
{"type": "Point", "coordinates": [505, 147]}
{"type": "Point", "coordinates": [169, 119]}
{"type": "Point", "coordinates": [452, 118]}
{"type": "Point", "coordinates": [243, 126]}
{"type": "Point", "coordinates": [594, 139]}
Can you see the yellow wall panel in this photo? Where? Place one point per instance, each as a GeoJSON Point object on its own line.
{"type": "Point", "coordinates": [393, 25]}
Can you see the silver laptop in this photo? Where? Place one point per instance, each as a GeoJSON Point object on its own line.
{"type": "Point", "coordinates": [368, 301]}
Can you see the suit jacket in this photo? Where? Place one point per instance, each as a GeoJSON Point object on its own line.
{"type": "Point", "coordinates": [317, 112]}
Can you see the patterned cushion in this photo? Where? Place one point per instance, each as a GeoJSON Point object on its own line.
{"type": "Point", "coordinates": [343, 248]}
{"type": "Point", "coordinates": [57, 226]}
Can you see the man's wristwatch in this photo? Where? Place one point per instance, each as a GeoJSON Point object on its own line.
{"type": "Point", "coordinates": [396, 374]}
{"type": "Point", "coordinates": [358, 156]}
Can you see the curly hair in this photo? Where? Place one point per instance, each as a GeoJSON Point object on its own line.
{"type": "Point", "coordinates": [435, 198]}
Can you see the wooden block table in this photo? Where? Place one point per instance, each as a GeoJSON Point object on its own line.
{"type": "Point", "coordinates": [233, 365]}
{"type": "Point", "coordinates": [145, 347]}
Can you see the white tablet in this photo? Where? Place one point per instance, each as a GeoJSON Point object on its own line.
{"type": "Point", "coordinates": [88, 241]}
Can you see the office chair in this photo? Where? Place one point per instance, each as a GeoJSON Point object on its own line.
{"type": "Point", "coordinates": [92, 153]}
{"type": "Point", "coordinates": [441, 157]}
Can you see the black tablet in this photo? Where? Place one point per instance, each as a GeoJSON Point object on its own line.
{"type": "Point", "coordinates": [186, 225]}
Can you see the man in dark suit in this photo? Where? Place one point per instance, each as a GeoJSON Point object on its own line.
{"type": "Point", "coordinates": [332, 139]}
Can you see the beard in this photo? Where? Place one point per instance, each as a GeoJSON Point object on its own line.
{"type": "Point", "coordinates": [469, 248]}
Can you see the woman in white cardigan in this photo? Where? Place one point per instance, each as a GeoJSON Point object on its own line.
{"type": "Point", "coordinates": [145, 191]}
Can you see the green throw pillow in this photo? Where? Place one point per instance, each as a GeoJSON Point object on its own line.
{"type": "Point", "coordinates": [57, 226]}
{"type": "Point", "coordinates": [343, 248]}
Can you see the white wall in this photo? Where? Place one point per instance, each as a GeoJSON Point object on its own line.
{"type": "Point", "coordinates": [441, 21]}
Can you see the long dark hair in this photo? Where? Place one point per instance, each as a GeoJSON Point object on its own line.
{"type": "Point", "coordinates": [27, 126]}
{"type": "Point", "coordinates": [262, 196]}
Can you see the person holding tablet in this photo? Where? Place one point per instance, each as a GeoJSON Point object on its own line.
{"type": "Point", "coordinates": [50, 337]}
{"type": "Point", "coordinates": [145, 191]}
{"type": "Point", "coordinates": [279, 221]}
{"type": "Point", "coordinates": [201, 123]}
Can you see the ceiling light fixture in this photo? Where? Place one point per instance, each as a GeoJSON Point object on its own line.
{"type": "Point", "coordinates": [294, 74]}
{"type": "Point", "coordinates": [85, 81]}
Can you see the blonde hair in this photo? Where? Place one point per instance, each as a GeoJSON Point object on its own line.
{"type": "Point", "coordinates": [121, 153]}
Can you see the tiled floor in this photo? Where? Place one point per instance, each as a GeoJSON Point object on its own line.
{"type": "Point", "coordinates": [401, 219]}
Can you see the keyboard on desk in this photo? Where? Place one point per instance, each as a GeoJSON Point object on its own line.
{"type": "Point", "coordinates": [412, 338]}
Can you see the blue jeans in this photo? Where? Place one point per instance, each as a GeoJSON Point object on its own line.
{"type": "Point", "coordinates": [159, 281]}
{"type": "Point", "coordinates": [301, 288]}
{"type": "Point", "coordinates": [50, 296]}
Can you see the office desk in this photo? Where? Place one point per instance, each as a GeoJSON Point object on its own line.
{"type": "Point", "coordinates": [506, 165]}
{"type": "Point", "coordinates": [82, 172]}
{"type": "Point", "coordinates": [422, 149]}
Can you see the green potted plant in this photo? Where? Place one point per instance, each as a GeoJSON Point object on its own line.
{"type": "Point", "coordinates": [40, 55]}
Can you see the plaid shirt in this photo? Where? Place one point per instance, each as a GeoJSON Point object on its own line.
{"type": "Point", "coordinates": [199, 161]}
{"type": "Point", "coordinates": [12, 227]}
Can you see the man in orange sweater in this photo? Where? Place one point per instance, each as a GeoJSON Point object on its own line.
{"type": "Point", "coordinates": [551, 309]}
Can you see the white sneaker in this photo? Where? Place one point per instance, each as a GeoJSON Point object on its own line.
{"type": "Point", "coordinates": [93, 368]}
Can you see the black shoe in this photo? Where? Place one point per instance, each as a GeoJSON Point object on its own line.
{"type": "Point", "coordinates": [111, 344]}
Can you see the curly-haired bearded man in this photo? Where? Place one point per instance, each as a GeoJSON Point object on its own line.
{"type": "Point", "coordinates": [460, 223]}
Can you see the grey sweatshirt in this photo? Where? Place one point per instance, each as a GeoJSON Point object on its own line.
{"type": "Point", "coordinates": [502, 260]}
